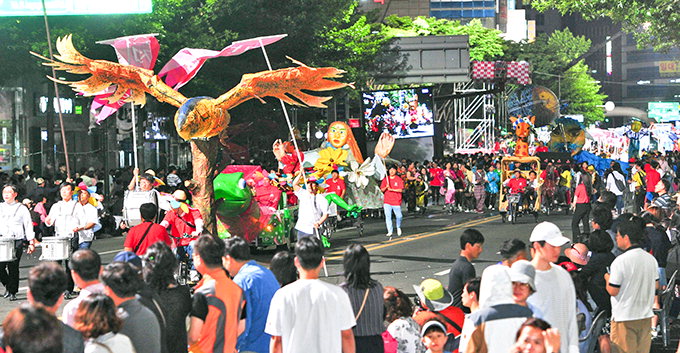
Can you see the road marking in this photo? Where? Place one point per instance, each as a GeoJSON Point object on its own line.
{"type": "Point", "coordinates": [110, 252]}
{"type": "Point", "coordinates": [442, 273]}
{"type": "Point", "coordinates": [417, 236]}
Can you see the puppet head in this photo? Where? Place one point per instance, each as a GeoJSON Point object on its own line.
{"type": "Point", "coordinates": [636, 125]}
{"type": "Point", "coordinates": [340, 134]}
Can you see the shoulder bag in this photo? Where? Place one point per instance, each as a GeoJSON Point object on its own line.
{"type": "Point", "coordinates": [363, 303]}
{"type": "Point", "coordinates": [142, 239]}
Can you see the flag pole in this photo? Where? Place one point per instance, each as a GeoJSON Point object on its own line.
{"type": "Point", "coordinates": [56, 94]}
{"type": "Point", "coordinates": [285, 113]}
{"type": "Point", "coordinates": [134, 140]}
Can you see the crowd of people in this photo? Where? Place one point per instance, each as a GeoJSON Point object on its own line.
{"type": "Point", "coordinates": [542, 297]}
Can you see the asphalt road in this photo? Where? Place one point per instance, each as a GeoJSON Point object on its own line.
{"type": "Point", "coordinates": [428, 246]}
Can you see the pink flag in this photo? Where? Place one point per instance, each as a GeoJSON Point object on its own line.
{"type": "Point", "coordinates": [186, 63]}
{"type": "Point", "coordinates": [141, 51]}
{"type": "Point", "coordinates": [102, 109]}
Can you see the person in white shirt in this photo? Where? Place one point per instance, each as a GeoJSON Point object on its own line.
{"type": "Point", "coordinates": [88, 223]}
{"type": "Point", "coordinates": [15, 224]}
{"type": "Point", "coordinates": [312, 208]}
{"type": "Point", "coordinates": [85, 268]}
{"type": "Point", "coordinates": [310, 315]}
{"type": "Point", "coordinates": [616, 183]}
{"type": "Point", "coordinates": [555, 294]}
{"type": "Point", "coordinates": [632, 284]}
{"type": "Point", "coordinates": [66, 216]}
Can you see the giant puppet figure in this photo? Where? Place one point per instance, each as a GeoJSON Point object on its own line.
{"type": "Point", "coordinates": [634, 134]}
{"type": "Point", "coordinates": [341, 152]}
{"type": "Point", "coordinates": [524, 127]}
{"type": "Point", "coordinates": [199, 119]}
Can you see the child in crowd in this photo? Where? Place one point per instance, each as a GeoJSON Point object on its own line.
{"type": "Point", "coordinates": [434, 336]}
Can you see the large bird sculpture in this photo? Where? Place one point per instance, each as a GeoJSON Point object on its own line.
{"type": "Point", "coordinates": [197, 117]}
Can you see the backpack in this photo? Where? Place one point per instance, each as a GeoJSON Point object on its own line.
{"type": "Point", "coordinates": [619, 183]}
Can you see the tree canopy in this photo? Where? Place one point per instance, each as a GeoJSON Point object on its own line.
{"type": "Point", "coordinates": [550, 56]}
{"type": "Point", "coordinates": [652, 22]}
{"type": "Point", "coordinates": [485, 43]}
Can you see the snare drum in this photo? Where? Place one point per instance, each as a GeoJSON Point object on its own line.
{"type": "Point", "coordinates": [133, 200]}
{"type": "Point", "coordinates": [7, 250]}
{"type": "Point", "coordinates": [56, 248]}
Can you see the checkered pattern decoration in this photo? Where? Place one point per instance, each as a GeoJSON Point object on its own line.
{"type": "Point", "coordinates": [518, 72]}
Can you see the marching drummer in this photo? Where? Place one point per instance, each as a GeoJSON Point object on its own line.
{"type": "Point", "coordinates": [90, 220]}
{"type": "Point", "coordinates": [67, 217]}
{"type": "Point", "coordinates": [16, 223]}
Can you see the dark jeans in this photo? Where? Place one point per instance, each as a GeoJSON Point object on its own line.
{"type": "Point", "coordinates": [9, 271]}
{"type": "Point", "coordinates": [581, 214]}
{"type": "Point", "coordinates": [435, 194]}
{"type": "Point", "coordinates": [369, 344]}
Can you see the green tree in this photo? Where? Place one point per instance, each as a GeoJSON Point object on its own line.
{"type": "Point", "coordinates": [652, 22]}
{"type": "Point", "coordinates": [550, 56]}
{"type": "Point", "coordinates": [485, 43]}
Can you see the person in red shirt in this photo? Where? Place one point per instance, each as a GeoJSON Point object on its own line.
{"type": "Point", "coordinates": [581, 207]}
{"type": "Point", "coordinates": [653, 177]}
{"type": "Point", "coordinates": [541, 147]}
{"type": "Point", "coordinates": [392, 186]}
{"type": "Point", "coordinates": [141, 236]}
{"type": "Point", "coordinates": [186, 223]}
{"type": "Point", "coordinates": [517, 183]}
{"type": "Point", "coordinates": [336, 185]}
{"type": "Point", "coordinates": [436, 181]}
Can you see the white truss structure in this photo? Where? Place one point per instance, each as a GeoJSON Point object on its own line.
{"type": "Point", "coordinates": [473, 123]}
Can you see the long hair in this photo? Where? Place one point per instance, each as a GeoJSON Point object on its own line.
{"type": "Point", "coordinates": [357, 265]}
{"type": "Point", "coordinates": [351, 141]}
{"type": "Point", "coordinates": [397, 304]}
{"type": "Point", "coordinates": [159, 267]}
{"type": "Point", "coordinates": [96, 315]}
{"type": "Point", "coordinates": [587, 181]}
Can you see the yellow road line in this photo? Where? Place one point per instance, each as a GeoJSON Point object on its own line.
{"type": "Point", "coordinates": [381, 245]}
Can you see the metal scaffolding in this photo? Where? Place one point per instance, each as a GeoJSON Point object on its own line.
{"type": "Point", "coordinates": [473, 124]}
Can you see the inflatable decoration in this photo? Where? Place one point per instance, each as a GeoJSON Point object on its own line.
{"type": "Point", "coordinates": [568, 135]}
{"type": "Point", "coordinates": [248, 205]}
{"type": "Point", "coordinates": [634, 134]}
{"type": "Point", "coordinates": [199, 118]}
{"type": "Point", "coordinates": [523, 126]}
{"type": "Point", "coordinates": [352, 211]}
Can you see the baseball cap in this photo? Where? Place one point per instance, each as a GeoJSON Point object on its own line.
{"type": "Point", "coordinates": [430, 324]}
{"type": "Point", "coordinates": [548, 232]}
{"type": "Point", "coordinates": [129, 257]}
{"type": "Point", "coordinates": [432, 293]}
{"type": "Point", "coordinates": [523, 271]}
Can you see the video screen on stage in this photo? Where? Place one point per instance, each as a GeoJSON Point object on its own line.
{"type": "Point", "coordinates": [404, 113]}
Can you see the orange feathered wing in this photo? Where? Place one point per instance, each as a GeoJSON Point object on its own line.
{"type": "Point", "coordinates": [106, 73]}
{"type": "Point", "coordinates": [286, 84]}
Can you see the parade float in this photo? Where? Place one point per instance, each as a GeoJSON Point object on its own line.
{"type": "Point", "coordinates": [521, 160]}
{"type": "Point", "coordinates": [202, 120]}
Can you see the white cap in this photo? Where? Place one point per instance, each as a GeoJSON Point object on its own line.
{"type": "Point", "coordinates": [548, 232]}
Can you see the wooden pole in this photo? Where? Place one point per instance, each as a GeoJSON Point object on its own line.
{"type": "Point", "coordinates": [205, 155]}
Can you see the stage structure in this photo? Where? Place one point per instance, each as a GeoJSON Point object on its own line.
{"type": "Point", "coordinates": [479, 104]}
